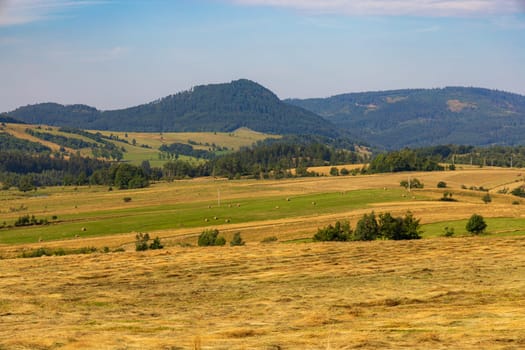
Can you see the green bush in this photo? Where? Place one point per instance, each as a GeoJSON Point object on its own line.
{"type": "Point", "coordinates": [367, 228]}
{"type": "Point", "coordinates": [486, 198]}
{"type": "Point", "coordinates": [156, 244]}
{"type": "Point", "coordinates": [414, 183]}
{"type": "Point", "coordinates": [210, 238]}
{"type": "Point", "coordinates": [448, 231]}
{"type": "Point", "coordinates": [141, 242]}
{"type": "Point", "coordinates": [340, 232]}
{"type": "Point", "coordinates": [441, 184]}
{"type": "Point", "coordinates": [476, 224]}
{"type": "Point", "coordinates": [237, 240]}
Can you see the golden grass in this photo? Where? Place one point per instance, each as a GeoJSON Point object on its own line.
{"type": "Point", "coordinates": [463, 293]}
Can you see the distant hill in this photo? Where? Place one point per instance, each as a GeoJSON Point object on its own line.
{"type": "Point", "coordinates": [400, 118]}
{"type": "Point", "coordinates": [217, 107]}
{"type": "Point", "coordinates": [7, 119]}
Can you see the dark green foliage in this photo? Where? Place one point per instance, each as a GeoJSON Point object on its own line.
{"type": "Point", "coordinates": [217, 107]}
{"type": "Point", "coordinates": [141, 241]}
{"type": "Point", "coordinates": [334, 171]}
{"type": "Point", "coordinates": [486, 198]}
{"type": "Point", "coordinates": [448, 231]}
{"type": "Point", "coordinates": [156, 244]}
{"type": "Point", "coordinates": [211, 238]}
{"type": "Point", "coordinates": [410, 118]}
{"type": "Point", "coordinates": [476, 224]}
{"type": "Point", "coordinates": [340, 232]}
{"type": "Point", "coordinates": [399, 228]}
{"type": "Point", "coordinates": [26, 220]}
{"type": "Point", "coordinates": [6, 119]}
{"type": "Point", "coordinates": [441, 184]}
{"type": "Point", "coordinates": [36, 253]}
{"type": "Point", "coordinates": [519, 191]}
{"type": "Point", "coordinates": [127, 176]}
{"type": "Point", "coordinates": [404, 160]}
{"type": "Point", "coordinates": [367, 228]}
{"type": "Point", "coordinates": [26, 183]}
{"type": "Point", "coordinates": [127, 199]}
{"type": "Point", "coordinates": [414, 183]}
{"type": "Point", "coordinates": [176, 149]}
{"type": "Point", "coordinates": [237, 240]}
{"type": "Point", "coordinates": [447, 197]}
{"type": "Point", "coordinates": [61, 140]}
{"type": "Point", "coordinates": [11, 143]}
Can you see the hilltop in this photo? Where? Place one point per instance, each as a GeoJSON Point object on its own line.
{"type": "Point", "coordinates": [217, 107]}
{"type": "Point", "coordinates": [411, 118]}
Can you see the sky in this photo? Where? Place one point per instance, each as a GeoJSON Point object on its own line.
{"type": "Point", "coordinates": [119, 53]}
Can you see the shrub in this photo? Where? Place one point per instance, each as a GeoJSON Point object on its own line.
{"type": "Point", "coordinates": [344, 172]}
{"type": "Point", "coordinates": [211, 238]}
{"type": "Point", "coordinates": [126, 199]}
{"type": "Point", "coordinates": [442, 184]}
{"type": "Point", "coordinates": [334, 171]}
{"type": "Point", "coordinates": [156, 244]}
{"type": "Point", "coordinates": [520, 192]}
{"type": "Point", "coordinates": [367, 228]}
{"type": "Point", "coordinates": [449, 231]}
{"type": "Point", "coordinates": [141, 242]}
{"type": "Point", "coordinates": [486, 198]}
{"type": "Point", "coordinates": [399, 228]}
{"type": "Point", "coordinates": [340, 232]}
{"type": "Point", "coordinates": [476, 224]}
{"type": "Point", "coordinates": [447, 197]}
{"type": "Point", "coordinates": [414, 183]}
{"type": "Point", "coordinates": [237, 240]}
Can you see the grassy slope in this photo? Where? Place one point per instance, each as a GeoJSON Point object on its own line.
{"type": "Point", "coordinates": [136, 154]}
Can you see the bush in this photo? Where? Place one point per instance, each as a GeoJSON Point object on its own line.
{"type": "Point", "coordinates": [210, 238]}
{"type": "Point", "coordinates": [344, 172]}
{"type": "Point", "coordinates": [340, 232]}
{"type": "Point", "coordinates": [126, 199]}
{"type": "Point", "coordinates": [399, 228]}
{"type": "Point", "coordinates": [334, 171]}
{"type": "Point", "coordinates": [449, 231]}
{"type": "Point", "coordinates": [520, 192]}
{"type": "Point", "coordinates": [447, 197]}
{"type": "Point", "coordinates": [237, 240]}
{"type": "Point", "coordinates": [141, 242]}
{"type": "Point", "coordinates": [156, 244]}
{"type": "Point", "coordinates": [442, 184]}
{"type": "Point", "coordinates": [476, 224]}
{"type": "Point", "coordinates": [367, 228]}
{"type": "Point", "coordinates": [486, 198]}
{"type": "Point", "coordinates": [414, 183]}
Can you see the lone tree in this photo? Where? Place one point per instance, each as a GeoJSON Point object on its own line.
{"type": "Point", "coordinates": [486, 198]}
{"type": "Point", "coordinates": [237, 240]}
{"type": "Point", "coordinates": [476, 224]}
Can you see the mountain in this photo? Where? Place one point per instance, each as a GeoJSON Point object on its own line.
{"type": "Point", "coordinates": [411, 118]}
{"type": "Point", "coordinates": [218, 107]}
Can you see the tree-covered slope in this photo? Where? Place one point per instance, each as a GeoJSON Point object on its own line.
{"type": "Point", "coordinates": [400, 118]}
{"type": "Point", "coordinates": [217, 107]}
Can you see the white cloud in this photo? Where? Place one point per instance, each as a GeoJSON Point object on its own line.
{"type": "Point", "coordinates": [433, 8]}
{"type": "Point", "coordinates": [17, 12]}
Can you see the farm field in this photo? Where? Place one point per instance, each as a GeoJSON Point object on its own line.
{"type": "Point", "coordinates": [455, 293]}
{"type": "Point", "coordinates": [463, 292]}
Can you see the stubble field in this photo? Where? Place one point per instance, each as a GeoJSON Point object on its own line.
{"type": "Point", "coordinates": [440, 293]}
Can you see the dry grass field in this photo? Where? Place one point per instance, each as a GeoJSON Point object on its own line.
{"type": "Point", "coordinates": [466, 293]}
{"type": "Point", "coordinates": [439, 293]}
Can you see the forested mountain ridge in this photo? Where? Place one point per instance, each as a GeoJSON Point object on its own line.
{"type": "Point", "coordinates": [216, 107]}
{"type": "Point", "coordinates": [421, 117]}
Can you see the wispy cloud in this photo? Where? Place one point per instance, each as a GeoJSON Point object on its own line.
{"type": "Point", "coordinates": [18, 12]}
{"type": "Point", "coordinates": [433, 8]}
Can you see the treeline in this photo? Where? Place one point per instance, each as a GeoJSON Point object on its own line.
{"type": "Point", "coordinates": [174, 150]}
{"type": "Point", "coordinates": [10, 143]}
{"type": "Point", "coordinates": [432, 158]}
{"type": "Point", "coordinates": [276, 159]}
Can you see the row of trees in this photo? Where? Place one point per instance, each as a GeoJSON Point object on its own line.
{"type": "Point", "coordinates": [371, 227]}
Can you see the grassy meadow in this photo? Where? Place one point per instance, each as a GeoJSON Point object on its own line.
{"type": "Point", "coordinates": [463, 292]}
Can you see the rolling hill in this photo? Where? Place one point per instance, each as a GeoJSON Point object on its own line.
{"type": "Point", "coordinates": [401, 118]}
{"type": "Point", "coordinates": [218, 107]}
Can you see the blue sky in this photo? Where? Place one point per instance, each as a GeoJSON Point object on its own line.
{"type": "Point", "coordinates": [120, 53]}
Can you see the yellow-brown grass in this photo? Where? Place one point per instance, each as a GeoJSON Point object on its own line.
{"type": "Point", "coordinates": [466, 293]}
